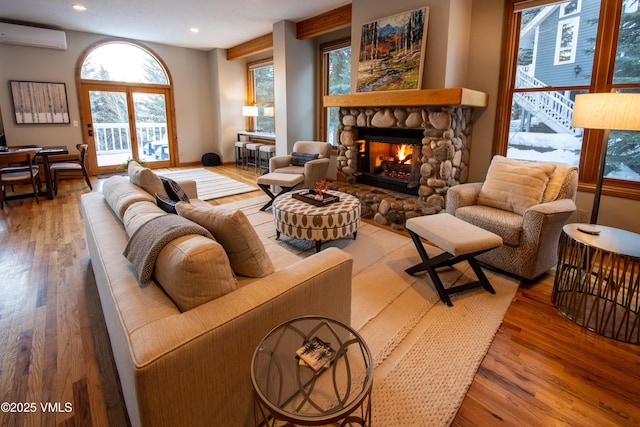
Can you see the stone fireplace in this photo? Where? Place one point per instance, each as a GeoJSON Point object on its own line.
{"type": "Point", "coordinates": [440, 148]}
{"type": "Point", "coordinates": [416, 143]}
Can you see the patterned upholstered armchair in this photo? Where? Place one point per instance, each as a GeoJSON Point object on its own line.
{"type": "Point", "coordinates": [310, 158]}
{"type": "Point", "coordinates": [525, 203]}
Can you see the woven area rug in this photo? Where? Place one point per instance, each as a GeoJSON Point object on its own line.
{"type": "Point", "coordinates": [425, 353]}
{"type": "Point", "coordinates": [210, 185]}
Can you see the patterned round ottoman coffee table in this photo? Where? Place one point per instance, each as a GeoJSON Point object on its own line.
{"type": "Point", "coordinates": [302, 220]}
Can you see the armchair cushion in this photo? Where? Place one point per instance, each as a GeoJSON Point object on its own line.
{"type": "Point", "coordinates": [299, 159]}
{"type": "Point", "coordinates": [505, 224]}
{"type": "Point", "coordinates": [513, 185]}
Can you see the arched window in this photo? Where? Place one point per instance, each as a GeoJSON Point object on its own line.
{"type": "Point", "coordinates": [125, 95]}
{"type": "Point", "coordinates": [123, 62]}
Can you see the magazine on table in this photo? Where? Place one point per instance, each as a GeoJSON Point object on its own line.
{"type": "Point", "coordinates": [316, 353]}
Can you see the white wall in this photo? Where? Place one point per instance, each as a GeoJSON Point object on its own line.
{"type": "Point", "coordinates": [441, 51]}
{"type": "Point", "coordinates": [228, 97]}
{"type": "Point", "coordinates": [294, 87]}
{"type": "Point", "coordinates": [189, 69]}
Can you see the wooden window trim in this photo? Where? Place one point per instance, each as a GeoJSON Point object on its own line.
{"type": "Point", "coordinates": [250, 85]}
{"type": "Point", "coordinates": [603, 68]}
{"type": "Point", "coordinates": [323, 86]}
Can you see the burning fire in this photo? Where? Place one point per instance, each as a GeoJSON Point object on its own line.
{"type": "Point", "coordinates": [403, 151]}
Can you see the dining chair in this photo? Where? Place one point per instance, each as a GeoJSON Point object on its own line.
{"type": "Point", "coordinates": [18, 168]}
{"type": "Point", "coordinates": [70, 169]}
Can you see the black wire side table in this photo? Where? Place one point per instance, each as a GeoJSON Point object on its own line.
{"type": "Point", "coordinates": [289, 392]}
{"type": "Point", "coordinates": [597, 282]}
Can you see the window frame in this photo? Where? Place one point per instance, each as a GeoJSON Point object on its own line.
{"type": "Point", "coordinates": [601, 81]}
{"type": "Point", "coordinates": [251, 67]}
{"type": "Point", "coordinates": [323, 87]}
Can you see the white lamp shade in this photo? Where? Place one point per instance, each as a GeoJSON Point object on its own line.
{"type": "Point", "coordinates": [250, 111]}
{"type": "Point", "coordinates": [611, 111]}
{"type": "Point", "coordinates": [268, 111]}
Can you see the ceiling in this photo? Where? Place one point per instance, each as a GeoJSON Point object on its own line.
{"type": "Point", "coordinates": [221, 23]}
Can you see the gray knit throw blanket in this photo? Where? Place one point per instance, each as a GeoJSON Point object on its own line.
{"type": "Point", "coordinates": [148, 240]}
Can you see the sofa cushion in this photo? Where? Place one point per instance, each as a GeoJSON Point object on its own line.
{"type": "Point", "coordinates": [505, 224]}
{"type": "Point", "coordinates": [146, 179]}
{"type": "Point", "coordinates": [193, 270]}
{"type": "Point", "coordinates": [138, 214]}
{"type": "Point", "coordinates": [514, 185]}
{"type": "Point", "coordinates": [120, 193]}
{"type": "Point", "coordinates": [234, 232]}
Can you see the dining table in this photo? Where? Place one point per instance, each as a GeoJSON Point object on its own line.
{"type": "Point", "coordinates": [44, 153]}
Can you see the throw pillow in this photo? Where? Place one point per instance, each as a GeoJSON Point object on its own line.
{"type": "Point", "coordinates": [299, 159]}
{"type": "Point", "coordinates": [193, 270]}
{"type": "Point", "coordinates": [146, 179]}
{"type": "Point", "coordinates": [166, 204]}
{"type": "Point", "coordinates": [173, 189]}
{"type": "Point", "coordinates": [232, 230]}
{"type": "Point", "coordinates": [514, 185]}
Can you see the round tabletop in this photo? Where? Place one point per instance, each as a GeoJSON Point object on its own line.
{"type": "Point", "coordinates": [609, 239]}
{"type": "Point", "coordinates": [290, 389]}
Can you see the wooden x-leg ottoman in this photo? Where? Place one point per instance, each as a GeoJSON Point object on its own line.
{"type": "Point", "coordinates": [286, 181]}
{"type": "Point", "coordinates": [459, 240]}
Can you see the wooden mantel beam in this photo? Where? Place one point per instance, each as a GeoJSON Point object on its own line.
{"type": "Point", "coordinates": [410, 98]}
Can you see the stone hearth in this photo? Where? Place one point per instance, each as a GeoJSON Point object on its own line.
{"type": "Point", "coordinates": [386, 207]}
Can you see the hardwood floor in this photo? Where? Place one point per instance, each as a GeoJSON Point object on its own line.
{"type": "Point", "coordinates": [541, 369]}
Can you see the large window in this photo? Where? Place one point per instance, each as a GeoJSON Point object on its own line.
{"type": "Point", "coordinates": [555, 51]}
{"type": "Point", "coordinates": [336, 80]}
{"type": "Point", "coordinates": [125, 93]}
{"type": "Point", "coordinates": [260, 94]}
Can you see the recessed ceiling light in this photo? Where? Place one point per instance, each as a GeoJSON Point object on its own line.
{"type": "Point", "coordinates": [78, 6]}
{"type": "Point", "coordinates": [195, 30]}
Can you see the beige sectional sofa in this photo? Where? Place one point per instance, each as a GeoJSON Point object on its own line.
{"type": "Point", "coordinates": [191, 366]}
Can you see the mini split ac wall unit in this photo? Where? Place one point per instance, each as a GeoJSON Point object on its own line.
{"type": "Point", "coordinates": [32, 36]}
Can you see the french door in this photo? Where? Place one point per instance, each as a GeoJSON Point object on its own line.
{"type": "Point", "coordinates": [122, 122]}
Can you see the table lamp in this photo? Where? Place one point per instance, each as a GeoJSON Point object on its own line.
{"type": "Point", "coordinates": [250, 111]}
{"type": "Point", "coordinates": [607, 111]}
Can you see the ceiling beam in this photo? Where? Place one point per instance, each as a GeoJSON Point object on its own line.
{"type": "Point", "coordinates": [324, 23]}
{"type": "Point", "coordinates": [312, 27]}
{"type": "Point", "coordinates": [252, 47]}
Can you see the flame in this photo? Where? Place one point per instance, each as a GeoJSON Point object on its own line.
{"type": "Point", "coordinates": [403, 151]}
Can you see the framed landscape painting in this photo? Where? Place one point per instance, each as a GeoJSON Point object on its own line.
{"type": "Point", "coordinates": [39, 102]}
{"type": "Point", "coordinates": [392, 52]}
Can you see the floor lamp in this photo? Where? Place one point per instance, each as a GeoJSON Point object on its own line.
{"type": "Point", "coordinates": [607, 111]}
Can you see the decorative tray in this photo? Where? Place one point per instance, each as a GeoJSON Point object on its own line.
{"type": "Point", "coordinates": [309, 196]}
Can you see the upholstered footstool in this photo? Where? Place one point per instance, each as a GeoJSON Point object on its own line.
{"type": "Point", "coordinates": [286, 181]}
{"type": "Point", "coordinates": [302, 220]}
{"type": "Point", "coordinates": [460, 241]}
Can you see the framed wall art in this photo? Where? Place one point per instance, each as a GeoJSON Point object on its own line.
{"type": "Point", "coordinates": [391, 53]}
{"type": "Point", "coordinates": [39, 102]}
